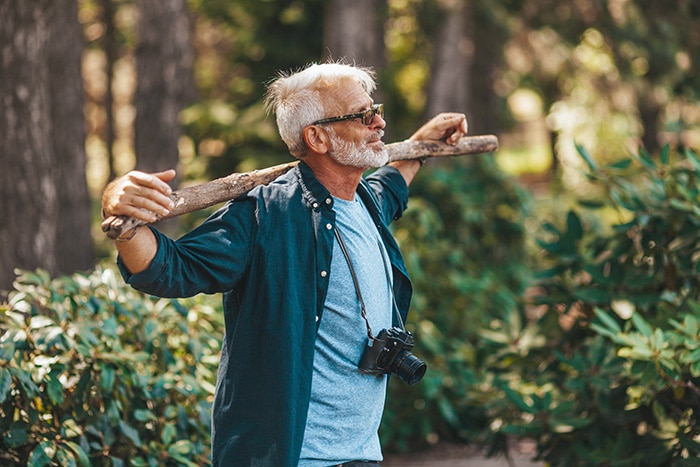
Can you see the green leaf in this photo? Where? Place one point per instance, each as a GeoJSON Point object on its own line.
{"type": "Point", "coordinates": [641, 324]}
{"type": "Point", "coordinates": [645, 158]}
{"type": "Point", "coordinates": [183, 460]}
{"type": "Point", "coordinates": [609, 321]}
{"type": "Point", "coordinates": [681, 205]}
{"type": "Point", "coordinates": [448, 412]}
{"type": "Point", "coordinates": [41, 455]}
{"type": "Point", "coordinates": [5, 383]}
{"type": "Point", "coordinates": [107, 379]}
{"type": "Point", "coordinates": [7, 350]}
{"type": "Point", "coordinates": [515, 398]}
{"type": "Point", "coordinates": [664, 153]}
{"type": "Point", "coordinates": [80, 454]}
{"type": "Point", "coordinates": [690, 155]}
{"type": "Point", "coordinates": [573, 222]}
{"type": "Point", "coordinates": [658, 339]}
{"type": "Point", "coordinates": [586, 157]}
{"type": "Point", "coordinates": [590, 203]}
{"type": "Point", "coordinates": [621, 164]}
{"type": "Point", "coordinates": [182, 446]}
{"type": "Point", "coordinates": [65, 458]}
{"type": "Point", "coordinates": [16, 436]}
{"type": "Point", "coordinates": [130, 432]}
{"type": "Point", "coordinates": [144, 415]}
{"type": "Point", "coordinates": [592, 295]}
{"type": "Point", "coordinates": [40, 321]}
{"type": "Point", "coordinates": [168, 434]}
{"type": "Point", "coordinates": [54, 389]}
{"type": "Point", "coordinates": [25, 380]}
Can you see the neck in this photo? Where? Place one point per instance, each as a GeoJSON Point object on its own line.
{"type": "Point", "coordinates": [340, 180]}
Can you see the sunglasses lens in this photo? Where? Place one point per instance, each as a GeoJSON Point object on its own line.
{"type": "Point", "coordinates": [368, 116]}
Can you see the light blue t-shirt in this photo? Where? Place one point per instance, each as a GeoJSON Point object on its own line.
{"type": "Point", "coordinates": [346, 406]}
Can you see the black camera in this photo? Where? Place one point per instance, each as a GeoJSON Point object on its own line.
{"type": "Point", "coordinates": [390, 352]}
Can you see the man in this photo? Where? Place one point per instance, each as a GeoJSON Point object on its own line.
{"type": "Point", "coordinates": [289, 391]}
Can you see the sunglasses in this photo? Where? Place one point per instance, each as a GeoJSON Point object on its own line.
{"type": "Point", "coordinates": [367, 116]}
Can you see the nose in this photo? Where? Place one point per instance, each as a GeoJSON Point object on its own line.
{"type": "Point", "coordinates": [378, 122]}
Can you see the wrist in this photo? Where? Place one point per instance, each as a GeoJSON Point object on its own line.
{"type": "Point", "coordinates": [129, 235]}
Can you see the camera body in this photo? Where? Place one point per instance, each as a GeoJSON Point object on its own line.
{"type": "Point", "coordinates": [390, 353]}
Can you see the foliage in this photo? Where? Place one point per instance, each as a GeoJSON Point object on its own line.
{"type": "Point", "coordinates": [463, 240]}
{"type": "Point", "coordinates": [92, 373]}
{"type": "Point", "coordinates": [602, 340]}
{"type": "Point", "coordinates": [617, 311]}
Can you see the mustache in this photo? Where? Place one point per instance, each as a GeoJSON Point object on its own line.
{"type": "Point", "coordinates": [376, 136]}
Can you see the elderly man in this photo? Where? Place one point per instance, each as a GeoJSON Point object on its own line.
{"type": "Point", "coordinates": [309, 273]}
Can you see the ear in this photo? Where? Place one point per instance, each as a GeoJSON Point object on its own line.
{"type": "Point", "coordinates": [316, 139]}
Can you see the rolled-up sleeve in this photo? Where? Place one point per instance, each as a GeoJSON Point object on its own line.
{"type": "Point", "coordinates": [211, 258]}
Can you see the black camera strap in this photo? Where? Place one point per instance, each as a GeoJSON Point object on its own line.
{"type": "Point", "coordinates": [363, 310]}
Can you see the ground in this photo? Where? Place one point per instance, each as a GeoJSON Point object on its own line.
{"type": "Point", "coordinates": [453, 455]}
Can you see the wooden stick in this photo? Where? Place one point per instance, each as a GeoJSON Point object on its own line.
{"type": "Point", "coordinates": [232, 186]}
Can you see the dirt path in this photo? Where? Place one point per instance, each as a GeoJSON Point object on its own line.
{"type": "Point", "coordinates": [450, 455]}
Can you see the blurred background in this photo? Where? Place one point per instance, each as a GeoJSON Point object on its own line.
{"type": "Point", "coordinates": [594, 102]}
{"type": "Point", "coordinates": [93, 89]}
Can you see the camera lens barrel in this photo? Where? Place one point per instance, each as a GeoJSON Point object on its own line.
{"type": "Point", "coordinates": [408, 368]}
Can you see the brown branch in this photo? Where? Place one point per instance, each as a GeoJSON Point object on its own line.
{"type": "Point", "coordinates": [232, 186]}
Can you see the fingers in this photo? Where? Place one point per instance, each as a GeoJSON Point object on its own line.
{"type": "Point", "coordinates": [452, 125]}
{"type": "Point", "coordinates": [144, 196]}
{"type": "Point", "coordinates": [448, 126]}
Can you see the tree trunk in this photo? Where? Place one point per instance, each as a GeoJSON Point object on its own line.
{"type": "Point", "coordinates": [489, 41]}
{"type": "Point", "coordinates": [449, 85]}
{"type": "Point", "coordinates": [649, 112]}
{"type": "Point", "coordinates": [43, 194]}
{"type": "Point", "coordinates": [75, 248]}
{"type": "Point", "coordinates": [164, 63]}
{"type": "Point", "coordinates": [354, 32]}
{"type": "Point", "coordinates": [109, 45]}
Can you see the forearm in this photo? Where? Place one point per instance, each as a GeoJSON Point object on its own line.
{"type": "Point", "coordinates": [138, 252]}
{"type": "Point", "coordinates": [407, 168]}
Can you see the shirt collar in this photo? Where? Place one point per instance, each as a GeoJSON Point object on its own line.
{"type": "Point", "coordinates": [314, 192]}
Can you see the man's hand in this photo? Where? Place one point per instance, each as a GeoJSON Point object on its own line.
{"type": "Point", "coordinates": [449, 127]}
{"type": "Point", "coordinates": [139, 195]}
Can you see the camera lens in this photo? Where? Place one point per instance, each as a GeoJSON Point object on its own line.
{"type": "Point", "coordinates": [409, 368]}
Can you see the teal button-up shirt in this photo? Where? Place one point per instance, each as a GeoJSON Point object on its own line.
{"type": "Point", "coordinates": [269, 252]}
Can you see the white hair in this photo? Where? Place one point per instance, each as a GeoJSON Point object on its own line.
{"type": "Point", "coordinates": [297, 98]}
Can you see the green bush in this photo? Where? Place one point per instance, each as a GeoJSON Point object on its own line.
{"type": "Point", "coordinates": [464, 243]}
{"type": "Point", "coordinates": [93, 373]}
{"type": "Point", "coordinates": [596, 355]}
{"type": "Point", "coordinates": [618, 310]}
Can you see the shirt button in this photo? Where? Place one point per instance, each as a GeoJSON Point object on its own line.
{"type": "Point", "coordinates": [315, 205]}
{"type": "Point", "coordinates": [329, 226]}
{"type": "Point", "coordinates": [324, 273]}
{"type": "Point", "coordinates": [329, 201]}
{"type": "Point", "coordinates": [317, 318]}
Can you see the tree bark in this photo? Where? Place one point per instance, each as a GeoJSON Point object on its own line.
{"type": "Point", "coordinates": [74, 249]}
{"type": "Point", "coordinates": [449, 86]}
{"type": "Point", "coordinates": [489, 40]}
{"type": "Point", "coordinates": [109, 45]}
{"type": "Point", "coordinates": [43, 193]}
{"type": "Point", "coordinates": [354, 32]}
{"type": "Point", "coordinates": [164, 63]}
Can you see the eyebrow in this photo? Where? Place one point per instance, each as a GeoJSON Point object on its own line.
{"type": "Point", "coordinates": [365, 107]}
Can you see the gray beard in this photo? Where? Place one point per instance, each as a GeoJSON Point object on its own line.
{"type": "Point", "coordinates": [356, 155]}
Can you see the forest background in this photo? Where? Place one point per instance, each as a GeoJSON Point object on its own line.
{"type": "Point", "coordinates": [510, 274]}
